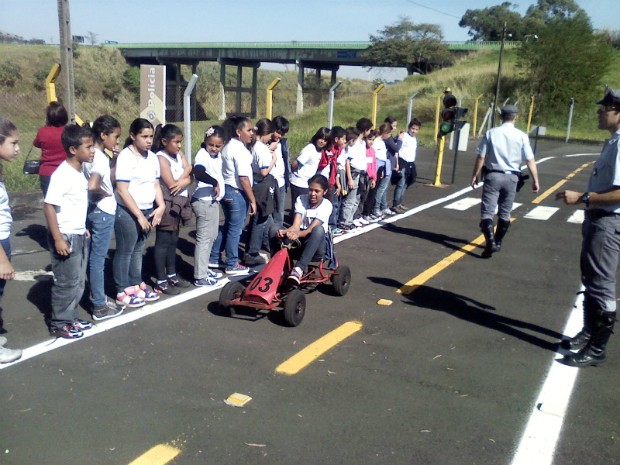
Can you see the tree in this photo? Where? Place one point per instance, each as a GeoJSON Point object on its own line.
{"type": "Point", "coordinates": [417, 47]}
{"type": "Point", "coordinates": [487, 23]}
{"type": "Point", "coordinates": [555, 77]}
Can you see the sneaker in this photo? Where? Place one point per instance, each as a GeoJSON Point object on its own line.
{"type": "Point", "coordinates": [3, 340]}
{"type": "Point", "coordinates": [82, 325]}
{"type": "Point", "coordinates": [129, 299]}
{"type": "Point", "coordinates": [165, 288]}
{"type": "Point", "coordinates": [215, 265]}
{"type": "Point", "coordinates": [109, 310]}
{"type": "Point", "coordinates": [374, 218]}
{"type": "Point", "coordinates": [364, 221]}
{"type": "Point", "coordinates": [337, 231]}
{"type": "Point", "coordinates": [9, 355]}
{"type": "Point", "coordinates": [214, 274]}
{"type": "Point", "coordinates": [254, 260]}
{"type": "Point", "coordinates": [66, 332]}
{"type": "Point", "coordinates": [296, 275]}
{"type": "Point", "coordinates": [146, 294]}
{"type": "Point", "coordinates": [237, 269]}
{"type": "Point", "coordinates": [395, 210]}
{"type": "Point", "coordinates": [388, 212]}
{"type": "Point", "coordinates": [175, 281]}
{"type": "Point", "coordinates": [357, 223]}
{"type": "Point", "coordinates": [402, 208]}
{"type": "Point", "coordinates": [205, 282]}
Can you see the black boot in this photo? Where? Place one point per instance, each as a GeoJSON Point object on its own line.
{"type": "Point", "coordinates": [581, 339]}
{"type": "Point", "coordinates": [502, 229]}
{"type": "Point", "coordinates": [593, 354]}
{"type": "Point", "coordinates": [486, 226]}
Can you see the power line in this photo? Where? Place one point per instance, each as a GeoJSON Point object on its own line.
{"type": "Point", "coordinates": [434, 9]}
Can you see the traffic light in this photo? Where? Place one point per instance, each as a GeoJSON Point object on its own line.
{"type": "Point", "coordinates": [451, 115]}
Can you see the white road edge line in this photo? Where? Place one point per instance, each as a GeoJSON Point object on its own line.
{"type": "Point", "coordinates": [540, 437]}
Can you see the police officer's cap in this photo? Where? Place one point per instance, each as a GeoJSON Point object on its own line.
{"type": "Point", "coordinates": [509, 110]}
{"type": "Point", "coordinates": [611, 97]}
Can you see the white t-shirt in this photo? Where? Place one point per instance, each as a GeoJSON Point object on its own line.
{"type": "Point", "coordinates": [68, 192]}
{"type": "Point", "coordinates": [308, 160]}
{"type": "Point", "coordinates": [236, 161]}
{"type": "Point", "coordinates": [278, 169]}
{"type": "Point", "coordinates": [141, 173]}
{"type": "Point", "coordinates": [176, 167]}
{"type": "Point", "coordinates": [261, 157]}
{"type": "Point", "coordinates": [101, 166]}
{"type": "Point", "coordinates": [321, 212]}
{"type": "Point", "coordinates": [213, 167]}
{"type": "Point", "coordinates": [342, 158]}
{"type": "Point", "coordinates": [408, 150]}
{"type": "Point", "coordinates": [5, 213]}
{"type": "Point", "coordinates": [357, 156]}
{"type": "Point", "coordinates": [380, 148]}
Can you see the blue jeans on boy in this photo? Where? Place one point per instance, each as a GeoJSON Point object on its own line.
{"type": "Point", "coordinates": [235, 206]}
{"type": "Point", "coordinates": [101, 226]}
{"type": "Point", "coordinates": [350, 202]}
{"type": "Point", "coordinates": [69, 280]}
{"type": "Point", "coordinates": [381, 195]}
{"type": "Point", "coordinates": [409, 174]}
{"type": "Point", "coordinates": [278, 213]}
{"type": "Point", "coordinates": [130, 240]}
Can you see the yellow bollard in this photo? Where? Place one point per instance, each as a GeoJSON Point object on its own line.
{"type": "Point", "coordinates": [529, 118]}
{"type": "Point", "coordinates": [375, 94]}
{"type": "Point", "coordinates": [50, 83]}
{"type": "Point", "coordinates": [476, 114]}
{"type": "Point", "coordinates": [441, 145]}
{"type": "Point", "coordinates": [437, 113]}
{"type": "Point", "coordinates": [269, 100]}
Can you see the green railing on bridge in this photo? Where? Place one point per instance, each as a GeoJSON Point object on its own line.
{"type": "Point", "coordinates": [357, 45]}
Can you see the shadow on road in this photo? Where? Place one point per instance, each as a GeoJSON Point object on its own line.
{"type": "Point", "coordinates": [447, 241]}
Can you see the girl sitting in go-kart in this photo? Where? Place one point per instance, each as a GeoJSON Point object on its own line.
{"type": "Point", "coordinates": [312, 212]}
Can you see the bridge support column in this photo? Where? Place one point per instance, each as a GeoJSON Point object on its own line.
{"type": "Point", "coordinates": [238, 88]}
{"type": "Point", "coordinates": [317, 90]}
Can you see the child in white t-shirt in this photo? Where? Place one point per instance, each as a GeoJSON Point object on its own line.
{"type": "Point", "coordinates": [65, 208]}
{"type": "Point", "coordinates": [137, 187]}
{"type": "Point", "coordinates": [306, 164]}
{"type": "Point", "coordinates": [176, 176]}
{"type": "Point", "coordinates": [101, 213]}
{"type": "Point", "coordinates": [9, 149]}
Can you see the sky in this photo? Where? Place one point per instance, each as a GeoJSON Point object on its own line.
{"type": "Point", "coordinates": [146, 21]}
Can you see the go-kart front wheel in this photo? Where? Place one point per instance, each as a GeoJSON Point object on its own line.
{"type": "Point", "coordinates": [294, 307]}
{"type": "Point", "coordinates": [341, 280]}
{"type": "Point", "coordinates": [232, 290]}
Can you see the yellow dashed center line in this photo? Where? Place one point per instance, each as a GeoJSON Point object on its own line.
{"type": "Point", "coordinates": [559, 184]}
{"type": "Point", "coordinates": [309, 354]}
{"type": "Point", "coordinates": [158, 455]}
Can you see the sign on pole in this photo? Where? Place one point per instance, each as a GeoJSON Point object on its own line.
{"type": "Point", "coordinates": [153, 93]}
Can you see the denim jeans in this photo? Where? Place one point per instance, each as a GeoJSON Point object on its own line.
{"type": "Point", "coordinates": [207, 223]}
{"type": "Point", "coordinates": [256, 233]}
{"type": "Point", "coordinates": [381, 195]}
{"type": "Point", "coordinates": [349, 205]}
{"type": "Point", "coordinates": [278, 213]}
{"type": "Point", "coordinates": [408, 177]}
{"type": "Point", "coordinates": [313, 246]}
{"type": "Point", "coordinates": [235, 206]}
{"type": "Point", "coordinates": [130, 240]}
{"type": "Point", "coordinates": [6, 245]}
{"type": "Point", "coordinates": [335, 200]}
{"type": "Point", "coordinates": [69, 280]}
{"type": "Point", "coordinates": [101, 226]}
{"type": "Point", "coordinates": [165, 253]}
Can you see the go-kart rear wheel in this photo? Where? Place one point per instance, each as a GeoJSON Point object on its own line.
{"type": "Point", "coordinates": [294, 307]}
{"type": "Point", "coordinates": [232, 290]}
{"type": "Point", "coordinates": [341, 280]}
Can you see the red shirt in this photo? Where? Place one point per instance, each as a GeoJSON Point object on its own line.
{"type": "Point", "coordinates": [52, 152]}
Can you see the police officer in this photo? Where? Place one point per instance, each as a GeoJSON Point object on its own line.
{"type": "Point", "coordinates": [601, 241]}
{"type": "Point", "coordinates": [500, 155]}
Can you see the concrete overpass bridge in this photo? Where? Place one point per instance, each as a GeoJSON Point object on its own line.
{"type": "Point", "coordinates": [320, 56]}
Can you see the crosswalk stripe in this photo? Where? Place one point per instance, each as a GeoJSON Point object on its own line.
{"type": "Point", "coordinates": [541, 213]}
{"type": "Point", "coordinates": [463, 204]}
{"type": "Point", "coordinates": [576, 217]}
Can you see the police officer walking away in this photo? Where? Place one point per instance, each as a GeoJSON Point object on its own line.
{"type": "Point", "coordinates": [500, 155]}
{"type": "Point", "coordinates": [601, 242]}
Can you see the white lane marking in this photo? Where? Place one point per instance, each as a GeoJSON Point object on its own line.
{"type": "Point", "coordinates": [149, 309]}
{"type": "Point", "coordinates": [463, 204]}
{"type": "Point", "coordinates": [591, 154]}
{"type": "Point", "coordinates": [543, 428]}
{"type": "Point", "coordinates": [541, 213]}
{"type": "Point", "coordinates": [577, 217]}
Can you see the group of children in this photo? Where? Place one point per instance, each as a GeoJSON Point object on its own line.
{"type": "Point", "coordinates": [339, 181]}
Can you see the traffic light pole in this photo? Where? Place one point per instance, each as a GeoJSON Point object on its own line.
{"type": "Point", "coordinates": [456, 152]}
{"type": "Point", "coordinates": [441, 143]}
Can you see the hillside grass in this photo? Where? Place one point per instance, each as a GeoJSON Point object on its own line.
{"type": "Point", "coordinates": [100, 90]}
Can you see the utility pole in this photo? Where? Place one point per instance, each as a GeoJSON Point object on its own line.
{"type": "Point", "coordinates": [499, 77]}
{"type": "Point", "coordinates": [66, 57]}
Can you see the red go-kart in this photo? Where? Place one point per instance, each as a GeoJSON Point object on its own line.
{"type": "Point", "coordinates": [271, 290]}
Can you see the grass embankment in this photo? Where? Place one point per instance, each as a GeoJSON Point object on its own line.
{"type": "Point", "coordinates": [100, 89]}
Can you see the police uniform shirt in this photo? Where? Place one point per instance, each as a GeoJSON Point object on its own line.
{"type": "Point", "coordinates": [606, 172]}
{"type": "Point", "coordinates": [505, 147]}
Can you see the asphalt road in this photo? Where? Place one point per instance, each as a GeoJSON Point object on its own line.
{"type": "Point", "coordinates": [448, 374]}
